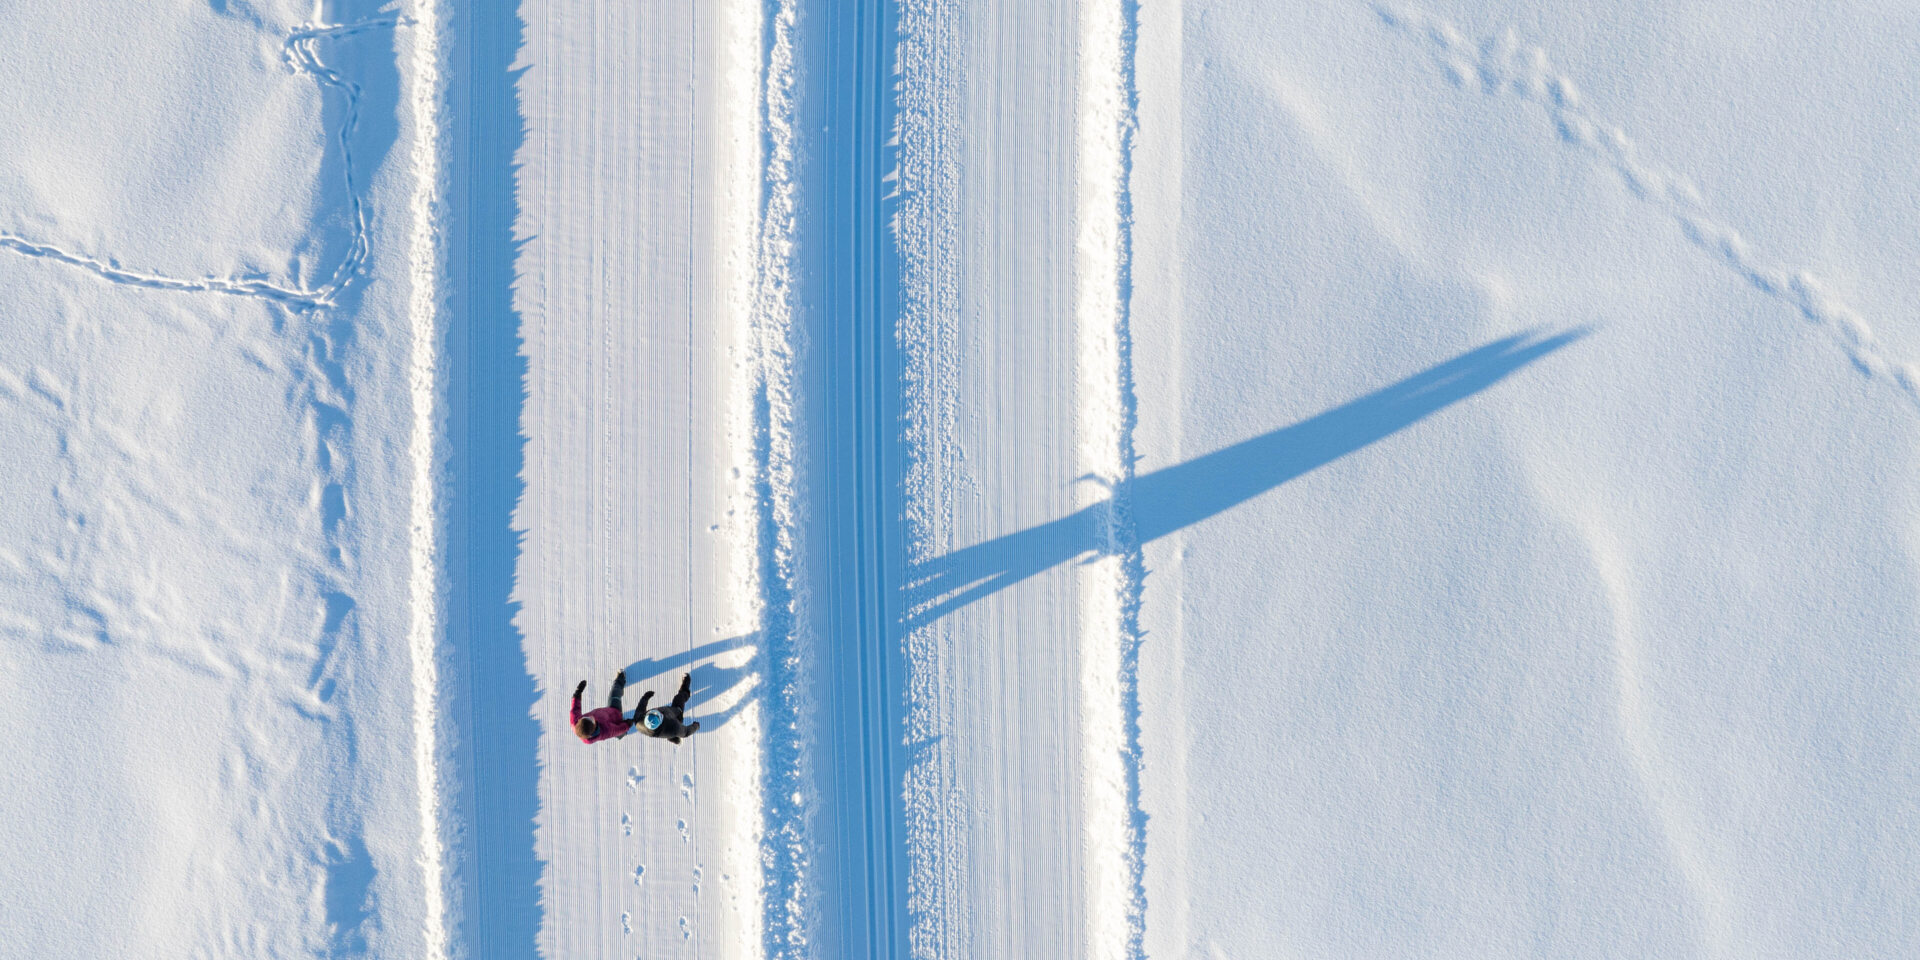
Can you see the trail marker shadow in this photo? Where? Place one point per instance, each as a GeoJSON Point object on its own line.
{"type": "Point", "coordinates": [1179, 496]}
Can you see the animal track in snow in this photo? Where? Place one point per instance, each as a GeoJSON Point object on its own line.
{"type": "Point", "coordinates": [1502, 65]}
{"type": "Point", "coordinates": [682, 826]}
{"type": "Point", "coordinates": [634, 778]}
{"type": "Point", "coordinates": [686, 785]}
{"type": "Point", "coordinates": [626, 923]}
{"type": "Point", "coordinates": [111, 270]}
{"type": "Point", "coordinates": [686, 929]}
{"type": "Point", "coordinates": [302, 53]}
{"type": "Point", "coordinates": [626, 825]}
{"type": "Point", "coordinates": [639, 873]}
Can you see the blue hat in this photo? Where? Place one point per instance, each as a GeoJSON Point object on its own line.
{"type": "Point", "coordinates": [652, 720]}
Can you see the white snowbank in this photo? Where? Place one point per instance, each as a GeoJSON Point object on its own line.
{"type": "Point", "coordinates": [200, 603]}
{"type": "Point", "coordinates": [1590, 646]}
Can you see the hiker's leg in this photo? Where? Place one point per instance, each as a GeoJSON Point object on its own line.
{"type": "Point", "coordinates": [619, 687]}
{"type": "Point", "coordinates": [686, 690]}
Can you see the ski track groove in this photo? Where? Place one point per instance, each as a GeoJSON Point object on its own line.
{"type": "Point", "coordinates": [871, 435]}
{"type": "Point", "coordinates": [301, 52]}
{"type": "Point", "coordinates": [860, 437]}
{"type": "Point", "coordinates": [1502, 65]}
{"type": "Point", "coordinates": [693, 744]}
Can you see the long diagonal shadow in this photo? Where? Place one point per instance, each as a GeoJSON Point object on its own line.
{"type": "Point", "coordinates": [1174, 497]}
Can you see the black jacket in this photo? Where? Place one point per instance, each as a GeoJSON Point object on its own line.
{"type": "Point", "coordinates": [672, 720]}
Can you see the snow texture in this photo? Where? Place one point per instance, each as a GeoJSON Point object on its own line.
{"type": "Point", "coordinates": [1127, 479]}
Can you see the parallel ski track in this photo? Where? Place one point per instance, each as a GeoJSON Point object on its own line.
{"type": "Point", "coordinates": [870, 486]}
{"type": "Point", "coordinates": [872, 338]}
{"type": "Point", "coordinates": [861, 348]}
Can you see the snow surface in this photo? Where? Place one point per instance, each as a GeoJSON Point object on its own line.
{"type": "Point", "coordinates": [204, 554]}
{"type": "Point", "coordinates": [1168, 479]}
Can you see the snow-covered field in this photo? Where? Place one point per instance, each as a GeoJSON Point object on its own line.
{"type": "Point", "coordinates": [1128, 479]}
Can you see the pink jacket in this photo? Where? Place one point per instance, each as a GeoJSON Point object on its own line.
{"type": "Point", "coordinates": [612, 725]}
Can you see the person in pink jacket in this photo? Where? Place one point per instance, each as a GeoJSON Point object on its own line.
{"type": "Point", "coordinates": [605, 723]}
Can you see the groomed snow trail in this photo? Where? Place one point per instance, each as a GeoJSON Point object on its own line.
{"type": "Point", "coordinates": [1012, 133]}
{"type": "Point", "coordinates": [848, 409]}
{"type": "Point", "coordinates": [843, 324]}
{"type": "Point", "coordinates": [1198, 478]}
{"type": "Point", "coordinates": [637, 187]}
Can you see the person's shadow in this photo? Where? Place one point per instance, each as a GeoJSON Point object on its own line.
{"type": "Point", "coordinates": [730, 688]}
{"type": "Point", "coordinates": [1155, 504]}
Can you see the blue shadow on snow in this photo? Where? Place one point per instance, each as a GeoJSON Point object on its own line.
{"type": "Point", "coordinates": [741, 685]}
{"type": "Point", "coordinates": [1174, 497]}
{"type": "Point", "coordinates": [490, 692]}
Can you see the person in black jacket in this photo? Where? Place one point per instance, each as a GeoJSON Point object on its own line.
{"type": "Point", "coordinates": [667, 721]}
